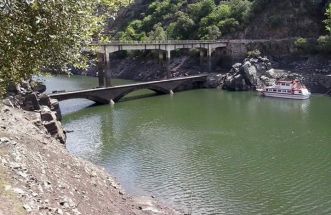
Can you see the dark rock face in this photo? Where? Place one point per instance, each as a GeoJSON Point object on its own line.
{"type": "Point", "coordinates": [318, 83]}
{"type": "Point", "coordinates": [149, 68]}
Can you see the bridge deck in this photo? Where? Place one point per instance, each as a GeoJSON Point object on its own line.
{"type": "Point", "coordinates": [128, 85]}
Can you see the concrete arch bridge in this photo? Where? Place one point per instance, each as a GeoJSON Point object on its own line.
{"type": "Point", "coordinates": [108, 95]}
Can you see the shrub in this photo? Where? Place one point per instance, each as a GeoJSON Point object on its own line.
{"type": "Point", "coordinates": [301, 43]}
{"type": "Point", "coordinates": [324, 44]}
{"type": "Point", "coordinates": [254, 53]}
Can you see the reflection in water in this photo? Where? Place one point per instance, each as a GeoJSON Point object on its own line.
{"type": "Point", "coordinates": [214, 152]}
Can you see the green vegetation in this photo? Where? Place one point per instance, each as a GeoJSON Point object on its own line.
{"type": "Point", "coordinates": [324, 42]}
{"type": "Point", "coordinates": [301, 43]}
{"type": "Point", "coordinates": [47, 35]}
{"type": "Point", "coordinates": [327, 21]}
{"type": "Point", "coordinates": [176, 19]}
{"type": "Point", "coordinates": [212, 19]}
{"type": "Point", "coordinates": [254, 53]}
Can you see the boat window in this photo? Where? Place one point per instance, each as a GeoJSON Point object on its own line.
{"type": "Point", "coordinates": [274, 90]}
{"type": "Point", "coordinates": [288, 85]}
{"type": "Point", "coordinates": [279, 91]}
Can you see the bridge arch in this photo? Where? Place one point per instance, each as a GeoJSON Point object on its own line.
{"type": "Point", "coordinates": [186, 83]}
{"type": "Point", "coordinates": [156, 89]}
{"type": "Point", "coordinates": [93, 98]}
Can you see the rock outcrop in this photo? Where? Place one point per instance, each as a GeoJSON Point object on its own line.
{"type": "Point", "coordinates": [29, 96]}
{"type": "Point", "coordinates": [254, 73]}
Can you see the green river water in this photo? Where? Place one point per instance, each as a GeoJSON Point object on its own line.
{"type": "Point", "coordinates": [209, 151]}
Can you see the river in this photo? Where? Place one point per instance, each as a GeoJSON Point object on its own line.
{"type": "Point", "coordinates": [209, 151]}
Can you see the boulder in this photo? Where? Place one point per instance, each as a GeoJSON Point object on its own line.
{"type": "Point", "coordinates": [235, 82]}
{"type": "Point", "coordinates": [31, 102]}
{"type": "Point", "coordinates": [215, 80]}
{"type": "Point", "coordinates": [55, 106]}
{"type": "Point", "coordinates": [38, 86]}
{"type": "Point", "coordinates": [25, 86]}
{"type": "Point", "coordinates": [55, 129]}
{"type": "Point", "coordinates": [8, 103]}
{"type": "Point", "coordinates": [250, 73]}
{"type": "Point", "coordinates": [255, 73]}
{"type": "Point", "coordinates": [48, 116]}
{"type": "Point", "coordinates": [45, 100]}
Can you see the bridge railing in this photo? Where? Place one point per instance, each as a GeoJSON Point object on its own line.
{"type": "Point", "coordinates": [159, 42]}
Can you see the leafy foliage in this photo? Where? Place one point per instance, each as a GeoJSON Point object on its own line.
{"type": "Point", "coordinates": [40, 35]}
{"type": "Point", "coordinates": [327, 21]}
{"type": "Point", "coordinates": [324, 43]}
{"type": "Point", "coordinates": [203, 19]}
{"type": "Point", "coordinates": [301, 43]}
{"type": "Point", "coordinates": [254, 53]}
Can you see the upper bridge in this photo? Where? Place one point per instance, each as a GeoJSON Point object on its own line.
{"type": "Point", "coordinates": [167, 45]}
{"type": "Point", "coordinates": [105, 49]}
{"type": "Point", "coordinates": [233, 47]}
{"type": "Point", "coordinates": [108, 95]}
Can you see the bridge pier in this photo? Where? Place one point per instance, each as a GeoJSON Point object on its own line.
{"type": "Point", "coordinates": [209, 54]}
{"type": "Point", "coordinates": [160, 56]}
{"type": "Point", "coordinates": [101, 68]}
{"type": "Point", "coordinates": [108, 70]}
{"type": "Point", "coordinates": [168, 63]}
{"type": "Point", "coordinates": [104, 72]}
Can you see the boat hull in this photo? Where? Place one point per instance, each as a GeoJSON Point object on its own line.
{"type": "Point", "coordinates": [286, 96]}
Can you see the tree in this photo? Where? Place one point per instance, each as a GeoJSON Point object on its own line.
{"type": "Point", "coordinates": [327, 21]}
{"type": "Point", "coordinates": [201, 9]}
{"type": "Point", "coordinates": [183, 28]}
{"type": "Point", "coordinates": [40, 35]}
{"type": "Point", "coordinates": [324, 42]}
{"type": "Point", "coordinates": [158, 34]}
{"type": "Point", "coordinates": [212, 33]}
{"type": "Point", "coordinates": [240, 10]}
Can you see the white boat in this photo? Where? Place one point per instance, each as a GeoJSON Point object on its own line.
{"type": "Point", "coordinates": [286, 89]}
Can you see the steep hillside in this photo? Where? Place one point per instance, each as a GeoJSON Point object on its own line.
{"type": "Point", "coordinates": [213, 19]}
{"type": "Point", "coordinates": [288, 18]}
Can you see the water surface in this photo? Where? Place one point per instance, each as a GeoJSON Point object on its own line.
{"type": "Point", "coordinates": [213, 152]}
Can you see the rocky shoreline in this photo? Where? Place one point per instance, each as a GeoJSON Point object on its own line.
{"type": "Point", "coordinates": [39, 176]}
